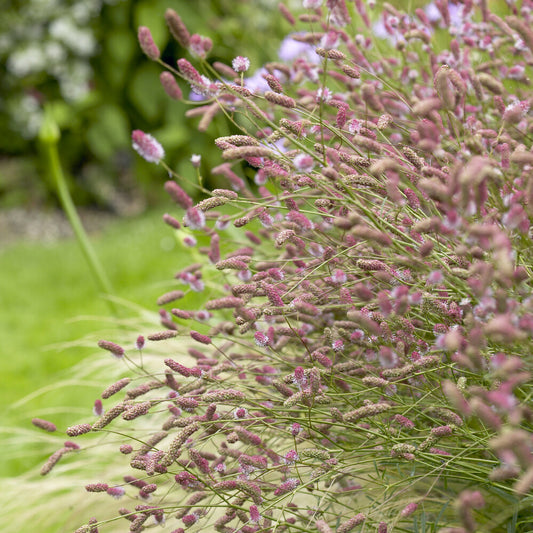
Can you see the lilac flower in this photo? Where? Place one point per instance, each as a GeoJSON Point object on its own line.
{"type": "Point", "coordinates": [291, 49]}
{"type": "Point", "coordinates": [257, 83]}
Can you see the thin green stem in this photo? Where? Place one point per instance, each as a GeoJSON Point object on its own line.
{"type": "Point", "coordinates": [49, 136]}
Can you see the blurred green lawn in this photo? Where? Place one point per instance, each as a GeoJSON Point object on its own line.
{"type": "Point", "coordinates": [47, 289]}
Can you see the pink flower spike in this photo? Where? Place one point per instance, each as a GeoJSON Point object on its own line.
{"type": "Point", "coordinates": [254, 514]}
{"type": "Point", "coordinates": [409, 509]}
{"type": "Point", "coordinates": [295, 429]}
{"type": "Point", "coordinates": [116, 492]}
{"type": "Point", "coordinates": [291, 457]}
{"type": "Point", "coordinates": [147, 147]}
{"type": "Point", "coordinates": [98, 408]}
{"type": "Point", "coordinates": [261, 339]}
{"type": "Point", "coordinates": [147, 43]}
{"type": "Point", "coordinates": [287, 486]}
{"type": "Point", "coordinates": [194, 218]}
{"type": "Point", "coordinates": [139, 343]}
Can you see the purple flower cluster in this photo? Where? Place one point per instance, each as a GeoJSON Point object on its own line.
{"type": "Point", "coordinates": [375, 287]}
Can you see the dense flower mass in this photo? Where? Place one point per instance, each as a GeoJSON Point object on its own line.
{"type": "Point", "coordinates": [363, 357]}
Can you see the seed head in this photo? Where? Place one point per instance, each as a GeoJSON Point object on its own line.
{"type": "Point", "coordinates": [80, 429]}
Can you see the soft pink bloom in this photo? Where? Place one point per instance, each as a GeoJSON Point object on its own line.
{"type": "Point", "coordinates": [240, 64]}
{"type": "Point", "coordinates": [147, 147]}
{"type": "Point", "coordinates": [116, 492]}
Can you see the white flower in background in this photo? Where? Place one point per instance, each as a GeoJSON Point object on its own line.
{"type": "Point", "coordinates": [80, 41]}
{"type": "Point", "coordinates": [50, 37]}
{"type": "Point", "coordinates": [26, 61]}
{"type": "Point", "coordinates": [27, 115]}
{"type": "Point", "coordinates": [54, 52]}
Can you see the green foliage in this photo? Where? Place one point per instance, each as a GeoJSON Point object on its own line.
{"type": "Point", "coordinates": [42, 318]}
{"type": "Point", "coordinates": [124, 94]}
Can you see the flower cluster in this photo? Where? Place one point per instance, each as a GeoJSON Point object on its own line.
{"type": "Point", "coordinates": [367, 287]}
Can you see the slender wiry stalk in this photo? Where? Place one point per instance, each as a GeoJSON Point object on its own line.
{"type": "Point", "coordinates": [49, 136]}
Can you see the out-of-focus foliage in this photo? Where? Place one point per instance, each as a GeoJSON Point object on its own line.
{"type": "Point", "coordinates": [82, 58]}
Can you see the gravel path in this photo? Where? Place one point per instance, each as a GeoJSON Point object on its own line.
{"type": "Point", "coordinates": [23, 224]}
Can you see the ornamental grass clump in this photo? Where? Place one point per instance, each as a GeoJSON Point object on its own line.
{"type": "Point", "coordinates": [361, 359]}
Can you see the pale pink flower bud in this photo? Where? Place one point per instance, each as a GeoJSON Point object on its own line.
{"type": "Point", "coordinates": [240, 64]}
{"type": "Point", "coordinates": [304, 163]}
{"type": "Point", "coordinates": [409, 509]}
{"type": "Point", "coordinates": [147, 43]}
{"type": "Point", "coordinates": [170, 85]}
{"type": "Point", "coordinates": [194, 218]}
{"type": "Point", "coordinates": [190, 241]}
{"type": "Point", "coordinates": [240, 412]}
{"type": "Point", "coordinates": [254, 514]}
{"type": "Point", "coordinates": [434, 277]}
{"type": "Point", "coordinates": [200, 46]}
{"type": "Point", "coordinates": [170, 297]}
{"type": "Point", "coordinates": [296, 429]}
{"type": "Point", "coordinates": [273, 83]}
{"type": "Point", "coordinates": [261, 339]}
{"type": "Point", "coordinates": [139, 343]}
{"type": "Point", "coordinates": [189, 72]}
{"type": "Point", "coordinates": [44, 424]}
{"type": "Point", "coordinates": [516, 72]}
{"type": "Point", "coordinates": [291, 457]}
{"type": "Point", "coordinates": [147, 147]}
{"type": "Point", "coordinates": [98, 408]}
{"type": "Point", "coordinates": [280, 99]}
{"type": "Point", "coordinates": [204, 339]}
{"type": "Point", "coordinates": [116, 492]}
{"type": "Point", "coordinates": [289, 17]}
{"type": "Point", "coordinates": [287, 486]}
{"type": "Point", "coordinates": [347, 526]}
{"type": "Point", "coordinates": [177, 28]}
{"type": "Point", "coordinates": [515, 112]}
{"type": "Point", "coordinates": [53, 460]}
{"type": "Point", "coordinates": [178, 194]}
{"type": "Point", "coordinates": [115, 349]}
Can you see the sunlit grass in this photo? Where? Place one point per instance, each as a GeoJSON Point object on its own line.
{"type": "Point", "coordinates": [50, 303]}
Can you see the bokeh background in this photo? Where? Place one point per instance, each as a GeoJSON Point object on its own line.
{"type": "Point", "coordinates": [81, 59]}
